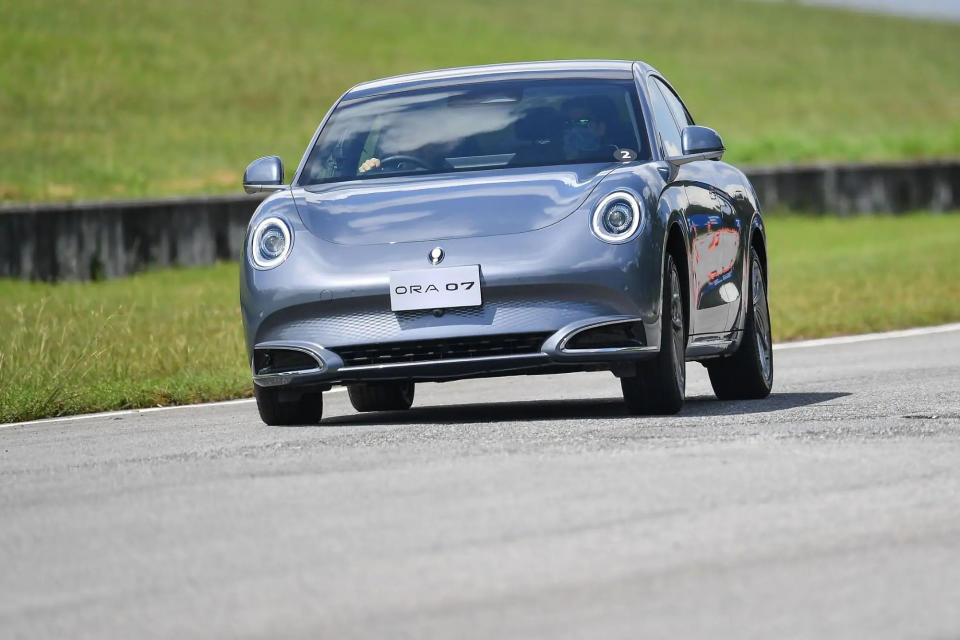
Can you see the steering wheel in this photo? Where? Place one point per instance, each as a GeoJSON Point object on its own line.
{"type": "Point", "coordinates": [400, 159]}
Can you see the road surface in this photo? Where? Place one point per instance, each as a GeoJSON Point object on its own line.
{"type": "Point", "coordinates": [529, 507]}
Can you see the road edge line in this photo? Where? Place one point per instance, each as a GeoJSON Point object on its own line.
{"type": "Point", "coordinates": [781, 346]}
{"type": "Point", "coordinates": [866, 337]}
{"type": "Point", "coordinates": [133, 412]}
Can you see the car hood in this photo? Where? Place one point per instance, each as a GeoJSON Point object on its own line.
{"type": "Point", "coordinates": [460, 205]}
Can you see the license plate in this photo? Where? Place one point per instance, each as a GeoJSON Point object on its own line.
{"type": "Point", "coordinates": [439, 288]}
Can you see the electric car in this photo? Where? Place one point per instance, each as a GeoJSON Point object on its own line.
{"type": "Point", "coordinates": [510, 219]}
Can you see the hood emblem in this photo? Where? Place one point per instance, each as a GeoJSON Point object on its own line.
{"type": "Point", "coordinates": [436, 255]}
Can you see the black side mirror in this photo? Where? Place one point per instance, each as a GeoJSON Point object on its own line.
{"type": "Point", "coordinates": [699, 143]}
{"type": "Point", "coordinates": [264, 174]}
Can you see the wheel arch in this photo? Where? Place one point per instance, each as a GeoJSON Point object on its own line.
{"type": "Point", "coordinates": [675, 243]}
{"type": "Point", "coordinates": [758, 241]}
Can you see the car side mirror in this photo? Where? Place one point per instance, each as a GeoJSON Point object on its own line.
{"type": "Point", "coordinates": [699, 143]}
{"type": "Point", "coordinates": [264, 174]}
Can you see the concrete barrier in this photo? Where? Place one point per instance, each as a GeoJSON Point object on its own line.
{"type": "Point", "coordinates": [932, 185]}
{"type": "Point", "coordinates": [109, 239]}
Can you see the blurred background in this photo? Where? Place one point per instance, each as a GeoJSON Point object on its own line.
{"type": "Point", "coordinates": [117, 99]}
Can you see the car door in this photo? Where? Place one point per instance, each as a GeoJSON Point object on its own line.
{"type": "Point", "coordinates": [714, 227]}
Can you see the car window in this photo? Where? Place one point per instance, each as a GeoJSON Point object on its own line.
{"type": "Point", "coordinates": [669, 133]}
{"type": "Point", "coordinates": [676, 107]}
{"type": "Point", "coordinates": [482, 125]}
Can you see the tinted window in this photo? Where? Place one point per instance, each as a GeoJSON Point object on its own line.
{"type": "Point", "coordinates": [676, 107]}
{"type": "Point", "coordinates": [669, 133]}
{"type": "Point", "coordinates": [478, 126]}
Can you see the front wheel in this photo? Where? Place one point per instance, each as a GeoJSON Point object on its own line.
{"type": "Point", "coordinates": [279, 407]}
{"type": "Point", "coordinates": [381, 396]}
{"type": "Point", "coordinates": [660, 383]}
{"type": "Point", "coordinates": [748, 373]}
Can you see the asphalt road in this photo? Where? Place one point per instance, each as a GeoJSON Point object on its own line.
{"type": "Point", "coordinates": [521, 507]}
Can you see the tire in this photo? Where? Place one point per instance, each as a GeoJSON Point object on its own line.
{"type": "Point", "coordinates": [381, 396]}
{"type": "Point", "coordinates": [275, 410]}
{"type": "Point", "coordinates": [659, 385]}
{"type": "Point", "coordinates": [748, 373]}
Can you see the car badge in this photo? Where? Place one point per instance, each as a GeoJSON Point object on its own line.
{"type": "Point", "coordinates": [436, 255]}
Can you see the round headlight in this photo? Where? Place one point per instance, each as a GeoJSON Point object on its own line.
{"type": "Point", "coordinates": [270, 243]}
{"type": "Point", "coordinates": [616, 217]}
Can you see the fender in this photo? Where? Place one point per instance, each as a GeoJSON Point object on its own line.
{"type": "Point", "coordinates": [678, 218]}
{"type": "Point", "coordinates": [756, 227]}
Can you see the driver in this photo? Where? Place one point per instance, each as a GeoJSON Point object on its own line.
{"type": "Point", "coordinates": [419, 160]}
{"type": "Point", "coordinates": [586, 125]}
{"type": "Point", "coordinates": [375, 163]}
{"type": "Point", "coordinates": [368, 164]}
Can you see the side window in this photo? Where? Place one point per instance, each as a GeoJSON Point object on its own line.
{"type": "Point", "coordinates": [676, 107]}
{"type": "Point", "coordinates": [669, 133]}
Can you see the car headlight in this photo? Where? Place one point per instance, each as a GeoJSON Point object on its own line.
{"type": "Point", "coordinates": [270, 243]}
{"type": "Point", "coordinates": [616, 217]}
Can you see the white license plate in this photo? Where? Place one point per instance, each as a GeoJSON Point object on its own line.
{"type": "Point", "coordinates": [438, 288]}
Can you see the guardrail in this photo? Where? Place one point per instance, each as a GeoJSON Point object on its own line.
{"type": "Point", "coordinates": [115, 238]}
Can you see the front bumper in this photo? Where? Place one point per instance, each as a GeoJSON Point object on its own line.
{"type": "Point", "coordinates": [556, 352]}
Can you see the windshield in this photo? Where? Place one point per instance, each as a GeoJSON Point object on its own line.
{"type": "Point", "coordinates": [479, 126]}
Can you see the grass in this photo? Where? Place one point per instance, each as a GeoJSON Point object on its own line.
{"type": "Point", "coordinates": [158, 338]}
{"type": "Point", "coordinates": [174, 336]}
{"type": "Point", "coordinates": [832, 276]}
{"type": "Point", "coordinates": [122, 98]}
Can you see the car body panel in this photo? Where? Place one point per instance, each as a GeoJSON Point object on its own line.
{"type": "Point", "coordinates": [537, 280]}
{"type": "Point", "coordinates": [412, 208]}
{"type": "Point", "coordinates": [721, 204]}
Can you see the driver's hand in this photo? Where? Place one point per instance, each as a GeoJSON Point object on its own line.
{"type": "Point", "coordinates": [368, 164]}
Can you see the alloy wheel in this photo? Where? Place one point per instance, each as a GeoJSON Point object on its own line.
{"type": "Point", "coordinates": [676, 319]}
{"type": "Point", "coordinates": [761, 319]}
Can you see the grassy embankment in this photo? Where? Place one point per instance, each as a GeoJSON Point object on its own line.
{"type": "Point", "coordinates": [174, 336]}
{"type": "Point", "coordinates": [122, 99]}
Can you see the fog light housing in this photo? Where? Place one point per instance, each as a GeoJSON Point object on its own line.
{"type": "Point", "coordinates": [619, 335]}
{"type": "Point", "coordinates": [279, 360]}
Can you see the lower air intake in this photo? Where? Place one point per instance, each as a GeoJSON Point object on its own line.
{"type": "Point", "coordinates": [447, 349]}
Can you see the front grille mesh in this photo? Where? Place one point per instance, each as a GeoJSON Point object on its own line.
{"type": "Point", "coordinates": [425, 350]}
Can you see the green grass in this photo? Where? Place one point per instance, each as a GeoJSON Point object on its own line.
{"type": "Point", "coordinates": [158, 338]}
{"type": "Point", "coordinates": [174, 336]}
{"type": "Point", "coordinates": [832, 276]}
{"type": "Point", "coordinates": [121, 98]}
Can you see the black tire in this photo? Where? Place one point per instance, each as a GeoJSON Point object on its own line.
{"type": "Point", "coordinates": [659, 385]}
{"type": "Point", "coordinates": [277, 408]}
{"type": "Point", "coordinates": [381, 396]}
{"type": "Point", "coordinates": [748, 373]}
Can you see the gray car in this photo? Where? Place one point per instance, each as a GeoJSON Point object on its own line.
{"type": "Point", "coordinates": [510, 219]}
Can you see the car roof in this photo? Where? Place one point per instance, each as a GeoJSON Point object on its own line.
{"type": "Point", "coordinates": [621, 69]}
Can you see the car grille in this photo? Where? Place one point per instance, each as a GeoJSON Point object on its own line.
{"type": "Point", "coordinates": [426, 350]}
